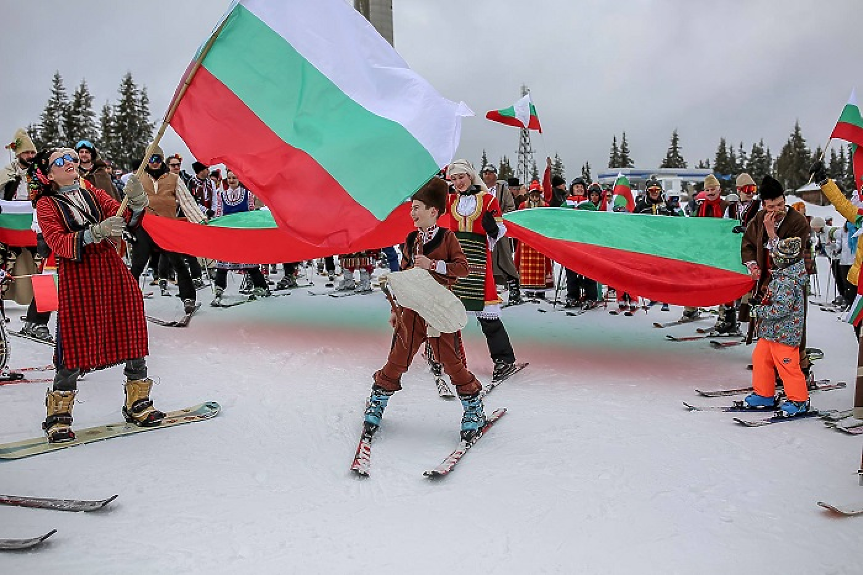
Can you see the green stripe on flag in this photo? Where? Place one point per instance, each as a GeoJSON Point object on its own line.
{"type": "Point", "coordinates": [309, 112]}
{"type": "Point", "coordinates": [18, 222]}
{"type": "Point", "coordinates": [704, 241]}
{"type": "Point", "coordinates": [254, 220]}
{"type": "Point", "coordinates": [851, 115]}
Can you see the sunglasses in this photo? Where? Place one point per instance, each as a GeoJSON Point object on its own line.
{"type": "Point", "coordinates": [64, 159]}
{"type": "Point", "coordinates": [155, 159]}
{"type": "Point", "coordinates": [173, 165]}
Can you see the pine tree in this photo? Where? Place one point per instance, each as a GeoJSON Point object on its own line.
{"type": "Point", "coordinates": [146, 126]}
{"type": "Point", "coordinates": [504, 169]}
{"type": "Point", "coordinates": [834, 167]}
{"type": "Point", "coordinates": [759, 164]}
{"type": "Point", "coordinates": [614, 156]}
{"type": "Point", "coordinates": [51, 120]}
{"type": "Point", "coordinates": [792, 165]}
{"type": "Point", "coordinates": [484, 161]}
{"type": "Point", "coordinates": [673, 158]}
{"type": "Point", "coordinates": [722, 161]}
{"type": "Point", "coordinates": [585, 173]}
{"type": "Point", "coordinates": [132, 130]}
{"type": "Point", "coordinates": [741, 159]}
{"type": "Point", "coordinates": [703, 165]}
{"type": "Point", "coordinates": [732, 162]}
{"type": "Point", "coordinates": [625, 160]}
{"type": "Point", "coordinates": [79, 122]}
{"type": "Point", "coordinates": [107, 142]}
{"type": "Point", "coordinates": [848, 181]}
{"type": "Point", "coordinates": [557, 168]}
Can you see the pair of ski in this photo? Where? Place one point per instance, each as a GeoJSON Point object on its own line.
{"type": "Point", "coordinates": [700, 337]}
{"type": "Point", "coordinates": [740, 407]}
{"type": "Point", "coordinates": [249, 299]}
{"type": "Point", "coordinates": [73, 505]}
{"type": "Point", "coordinates": [818, 385]}
{"type": "Point", "coordinates": [16, 375]}
{"type": "Point", "coordinates": [182, 322]}
{"type": "Point", "coordinates": [362, 459]}
{"type": "Point", "coordinates": [444, 391]}
{"type": "Point", "coordinates": [678, 322]}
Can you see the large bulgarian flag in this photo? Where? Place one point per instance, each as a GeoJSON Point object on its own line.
{"type": "Point", "coordinates": [685, 261]}
{"type": "Point", "coordinates": [317, 115]}
{"type": "Point", "coordinates": [850, 128]}
{"type": "Point", "coordinates": [623, 188]}
{"type": "Point", "coordinates": [16, 220]}
{"type": "Point", "coordinates": [522, 114]}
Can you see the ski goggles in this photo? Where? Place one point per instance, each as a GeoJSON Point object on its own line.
{"type": "Point", "coordinates": [84, 144]}
{"type": "Point", "coordinates": [747, 189]}
{"type": "Point", "coordinates": [64, 159]}
{"type": "Point", "coordinates": [155, 159]}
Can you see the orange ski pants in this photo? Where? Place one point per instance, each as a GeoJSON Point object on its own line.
{"type": "Point", "coordinates": [770, 358]}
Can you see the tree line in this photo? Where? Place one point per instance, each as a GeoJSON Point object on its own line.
{"type": "Point", "coordinates": [121, 133]}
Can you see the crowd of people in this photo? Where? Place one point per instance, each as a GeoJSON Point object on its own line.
{"type": "Point", "coordinates": [77, 198]}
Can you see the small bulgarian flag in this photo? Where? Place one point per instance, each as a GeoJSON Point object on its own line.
{"type": "Point", "coordinates": [622, 187]}
{"type": "Point", "coordinates": [850, 128]}
{"type": "Point", "coordinates": [522, 114]}
{"type": "Point", "coordinates": [317, 114]}
{"type": "Point", "coordinates": [855, 312]}
{"type": "Point", "coordinates": [45, 292]}
{"type": "Point", "coordinates": [16, 220]}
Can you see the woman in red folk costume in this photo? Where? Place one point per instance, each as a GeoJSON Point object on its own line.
{"type": "Point", "coordinates": [475, 217]}
{"type": "Point", "coordinates": [534, 268]}
{"type": "Point", "coordinates": [100, 322]}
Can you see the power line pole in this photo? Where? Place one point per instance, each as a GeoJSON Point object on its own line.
{"type": "Point", "coordinates": [380, 14]}
{"type": "Point", "coordinates": [525, 149]}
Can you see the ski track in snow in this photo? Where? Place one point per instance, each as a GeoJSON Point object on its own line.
{"type": "Point", "coordinates": [596, 468]}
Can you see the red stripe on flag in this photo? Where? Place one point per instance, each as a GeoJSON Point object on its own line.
{"type": "Point", "coordinates": [657, 278]}
{"type": "Point", "coordinates": [304, 198]}
{"type": "Point", "coordinates": [848, 132]}
{"type": "Point", "coordinates": [18, 238]}
{"type": "Point", "coordinates": [496, 116]}
{"type": "Point", "coordinates": [45, 292]}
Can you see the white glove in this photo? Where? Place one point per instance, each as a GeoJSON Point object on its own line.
{"type": "Point", "coordinates": [112, 226]}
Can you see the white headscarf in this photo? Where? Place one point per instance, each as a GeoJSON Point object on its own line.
{"type": "Point", "coordinates": [465, 167]}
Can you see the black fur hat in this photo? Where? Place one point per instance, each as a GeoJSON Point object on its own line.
{"type": "Point", "coordinates": [770, 189]}
{"type": "Point", "coordinates": [433, 194]}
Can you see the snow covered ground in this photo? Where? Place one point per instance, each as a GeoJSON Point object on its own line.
{"type": "Point", "coordinates": [596, 468]}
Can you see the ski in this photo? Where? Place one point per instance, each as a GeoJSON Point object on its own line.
{"type": "Point", "coordinates": [775, 419]}
{"type": "Point", "coordinates": [837, 415]}
{"type": "Point", "coordinates": [850, 425]}
{"type": "Point", "coordinates": [453, 458]}
{"type": "Point", "coordinates": [819, 385]}
{"type": "Point", "coordinates": [846, 510]}
{"type": "Point", "coordinates": [707, 335]}
{"type": "Point", "coordinates": [30, 337]}
{"type": "Point", "coordinates": [723, 344]}
{"type": "Point", "coordinates": [39, 445]}
{"type": "Point", "coordinates": [737, 406]}
{"type": "Point", "coordinates": [363, 457]}
{"type": "Point", "coordinates": [27, 380]}
{"type": "Point", "coordinates": [37, 368]}
{"type": "Point", "coordinates": [678, 322]}
{"type": "Point", "coordinates": [495, 382]}
{"type": "Point", "coordinates": [291, 288]}
{"type": "Point", "coordinates": [350, 293]}
{"type": "Point", "coordinates": [74, 505]}
{"type": "Point", "coordinates": [17, 544]}
{"type": "Point", "coordinates": [182, 322]}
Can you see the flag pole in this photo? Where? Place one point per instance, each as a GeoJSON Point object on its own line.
{"type": "Point", "coordinates": [175, 103]}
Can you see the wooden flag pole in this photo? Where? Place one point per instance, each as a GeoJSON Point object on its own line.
{"type": "Point", "coordinates": [172, 108]}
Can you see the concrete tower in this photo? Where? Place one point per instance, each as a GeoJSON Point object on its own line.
{"type": "Point", "coordinates": [380, 14]}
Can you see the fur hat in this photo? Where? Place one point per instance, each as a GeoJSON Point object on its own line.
{"type": "Point", "coordinates": [771, 189]}
{"type": "Point", "coordinates": [198, 166]}
{"type": "Point", "coordinates": [21, 143]}
{"type": "Point", "coordinates": [744, 179]}
{"type": "Point", "coordinates": [513, 183]}
{"type": "Point", "coordinates": [711, 181]}
{"type": "Point", "coordinates": [557, 181]}
{"type": "Point", "coordinates": [786, 252]}
{"type": "Point", "coordinates": [433, 194]}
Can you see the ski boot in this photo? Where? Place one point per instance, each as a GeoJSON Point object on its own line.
{"type": "Point", "coordinates": [365, 284]}
{"type": "Point", "coordinates": [514, 292]}
{"type": "Point", "coordinates": [375, 406]}
{"type": "Point", "coordinates": [791, 408]}
{"type": "Point", "coordinates": [473, 419]}
{"type": "Point", "coordinates": [287, 282]}
{"type": "Point", "coordinates": [139, 408]}
{"type": "Point", "coordinates": [163, 287]}
{"type": "Point", "coordinates": [40, 331]}
{"type": "Point", "coordinates": [198, 283]}
{"type": "Point", "coordinates": [320, 266]}
{"type": "Point", "coordinates": [502, 370]}
{"type": "Point", "coordinates": [58, 423]}
{"type": "Point", "coordinates": [589, 304]}
{"type": "Point", "coordinates": [260, 292]}
{"type": "Point", "coordinates": [690, 315]}
{"type": "Point", "coordinates": [189, 306]}
{"type": "Point", "coordinates": [664, 307]}
{"type": "Point", "coordinates": [217, 300]}
{"type": "Point", "coordinates": [347, 282]}
{"type": "Point", "coordinates": [755, 401]}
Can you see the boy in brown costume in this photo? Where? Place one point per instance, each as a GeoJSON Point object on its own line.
{"type": "Point", "coordinates": [437, 250]}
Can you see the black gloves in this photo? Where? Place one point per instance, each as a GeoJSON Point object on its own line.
{"type": "Point", "coordinates": [818, 173]}
{"type": "Point", "coordinates": [738, 229]}
{"type": "Point", "coordinates": [42, 248]}
{"type": "Point", "coordinates": [490, 225]}
{"type": "Point", "coordinates": [210, 214]}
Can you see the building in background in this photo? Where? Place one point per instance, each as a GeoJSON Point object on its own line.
{"type": "Point", "coordinates": [380, 14]}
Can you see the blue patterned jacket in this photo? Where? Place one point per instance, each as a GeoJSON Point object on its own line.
{"type": "Point", "coordinates": [780, 318]}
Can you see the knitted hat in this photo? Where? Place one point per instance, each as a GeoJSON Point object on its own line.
{"type": "Point", "coordinates": [433, 194]}
{"type": "Point", "coordinates": [156, 151]}
{"type": "Point", "coordinates": [557, 181]}
{"type": "Point", "coordinates": [786, 252]}
{"type": "Point", "coordinates": [710, 181]}
{"type": "Point", "coordinates": [198, 166]}
{"type": "Point", "coordinates": [744, 179]}
{"type": "Point", "coordinates": [21, 143]}
{"type": "Point", "coordinates": [771, 189]}
{"type": "Point", "coordinates": [817, 222]}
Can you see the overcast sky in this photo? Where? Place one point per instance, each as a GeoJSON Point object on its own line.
{"type": "Point", "coordinates": [739, 69]}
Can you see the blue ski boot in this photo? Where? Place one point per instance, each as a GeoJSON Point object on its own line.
{"type": "Point", "coordinates": [791, 408]}
{"type": "Point", "coordinates": [473, 419]}
{"type": "Point", "coordinates": [375, 406]}
{"type": "Point", "coordinates": [756, 401]}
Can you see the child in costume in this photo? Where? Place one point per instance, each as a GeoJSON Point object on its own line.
{"type": "Point", "coordinates": [779, 326]}
{"type": "Point", "coordinates": [437, 250]}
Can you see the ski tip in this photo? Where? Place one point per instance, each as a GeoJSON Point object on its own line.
{"type": "Point", "coordinates": [360, 473]}
{"type": "Point", "coordinates": [110, 499]}
{"type": "Point", "coordinates": [690, 407]}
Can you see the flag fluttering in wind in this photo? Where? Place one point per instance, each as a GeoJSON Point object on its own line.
{"type": "Point", "coordinates": [522, 114]}
{"type": "Point", "coordinates": [316, 114]}
{"type": "Point", "coordinates": [684, 261]}
{"type": "Point", "coordinates": [623, 188]}
{"type": "Point", "coordinates": [850, 128]}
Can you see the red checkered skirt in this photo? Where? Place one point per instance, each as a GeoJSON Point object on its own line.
{"type": "Point", "coordinates": [534, 269]}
